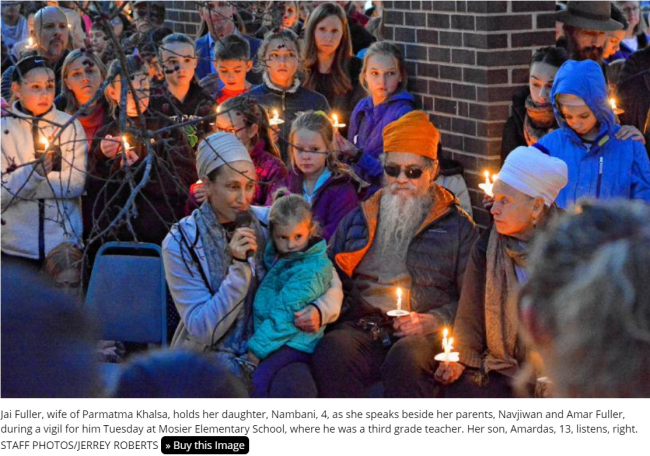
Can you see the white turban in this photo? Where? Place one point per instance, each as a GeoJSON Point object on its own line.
{"type": "Point", "coordinates": [217, 150]}
{"type": "Point", "coordinates": [534, 173]}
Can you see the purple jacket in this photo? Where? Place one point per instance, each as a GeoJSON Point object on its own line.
{"type": "Point", "coordinates": [332, 201]}
{"type": "Point", "coordinates": [271, 174]}
{"type": "Point", "coordinates": [367, 124]}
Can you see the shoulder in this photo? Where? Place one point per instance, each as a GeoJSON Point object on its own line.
{"type": "Point", "coordinates": [184, 227]}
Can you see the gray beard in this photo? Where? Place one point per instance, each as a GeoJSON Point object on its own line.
{"type": "Point", "coordinates": [399, 220]}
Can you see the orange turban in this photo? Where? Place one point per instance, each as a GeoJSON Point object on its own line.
{"type": "Point", "coordinates": [412, 133]}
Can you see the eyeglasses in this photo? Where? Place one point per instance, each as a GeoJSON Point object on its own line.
{"type": "Point", "coordinates": [409, 172]}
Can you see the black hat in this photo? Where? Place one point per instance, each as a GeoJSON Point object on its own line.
{"type": "Point", "coordinates": [27, 64]}
{"type": "Point", "coordinates": [589, 16]}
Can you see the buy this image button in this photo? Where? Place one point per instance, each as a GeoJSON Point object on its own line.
{"type": "Point", "coordinates": [204, 445]}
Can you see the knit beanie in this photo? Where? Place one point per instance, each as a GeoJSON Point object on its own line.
{"type": "Point", "coordinates": [412, 133]}
{"type": "Point", "coordinates": [534, 173]}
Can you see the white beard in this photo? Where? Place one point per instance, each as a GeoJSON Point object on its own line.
{"type": "Point", "coordinates": [399, 220]}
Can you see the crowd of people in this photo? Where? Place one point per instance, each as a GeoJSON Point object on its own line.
{"type": "Point", "coordinates": [316, 238]}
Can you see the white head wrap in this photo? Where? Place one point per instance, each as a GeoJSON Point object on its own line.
{"type": "Point", "coordinates": [217, 150]}
{"type": "Point", "coordinates": [534, 173]}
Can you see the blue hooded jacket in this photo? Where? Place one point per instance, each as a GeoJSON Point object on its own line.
{"type": "Point", "coordinates": [611, 168]}
{"type": "Point", "coordinates": [367, 124]}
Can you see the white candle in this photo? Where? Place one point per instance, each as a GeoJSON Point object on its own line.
{"type": "Point", "coordinates": [276, 119]}
{"type": "Point", "coordinates": [399, 299]}
{"type": "Point", "coordinates": [335, 122]}
{"type": "Point", "coordinates": [487, 185]}
{"type": "Point", "coordinates": [45, 142]}
{"type": "Point", "coordinates": [447, 356]}
{"type": "Point", "coordinates": [127, 146]}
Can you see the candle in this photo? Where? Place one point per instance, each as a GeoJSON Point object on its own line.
{"type": "Point", "coordinates": [487, 185]}
{"type": "Point", "coordinates": [612, 102]}
{"type": "Point", "coordinates": [398, 312]}
{"type": "Point", "coordinates": [447, 356]}
{"type": "Point", "coordinates": [46, 143]}
{"type": "Point", "coordinates": [200, 182]}
{"type": "Point", "coordinates": [276, 119]}
{"type": "Point", "coordinates": [127, 146]}
{"type": "Point", "coordinates": [616, 109]}
{"type": "Point", "coordinates": [335, 122]}
{"type": "Point", "coordinates": [30, 43]}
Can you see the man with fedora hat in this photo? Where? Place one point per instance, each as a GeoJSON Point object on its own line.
{"type": "Point", "coordinates": [585, 25]}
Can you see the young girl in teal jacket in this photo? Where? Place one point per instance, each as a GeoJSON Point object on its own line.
{"type": "Point", "coordinates": [298, 272]}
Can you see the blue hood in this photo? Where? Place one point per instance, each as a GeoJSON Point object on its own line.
{"type": "Point", "coordinates": [585, 80]}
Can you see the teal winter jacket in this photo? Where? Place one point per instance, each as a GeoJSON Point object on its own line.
{"type": "Point", "coordinates": [610, 168]}
{"type": "Point", "coordinates": [292, 282]}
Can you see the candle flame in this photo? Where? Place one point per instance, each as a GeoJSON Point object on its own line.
{"type": "Point", "coordinates": [399, 293]}
{"type": "Point", "coordinates": [45, 142]}
{"type": "Point", "coordinates": [218, 109]}
{"type": "Point", "coordinates": [487, 185]}
{"type": "Point", "coordinates": [127, 146]}
{"type": "Point", "coordinates": [275, 114]}
{"type": "Point", "coordinates": [612, 102]}
{"type": "Point", "coordinates": [30, 42]}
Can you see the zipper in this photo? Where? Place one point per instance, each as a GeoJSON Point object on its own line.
{"type": "Point", "coordinates": [600, 176]}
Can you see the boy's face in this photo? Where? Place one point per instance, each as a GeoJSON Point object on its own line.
{"type": "Point", "coordinates": [179, 62]}
{"type": "Point", "coordinates": [233, 73]}
{"type": "Point", "coordinates": [98, 40]}
{"type": "Point", "coordinates": [292, 237]}
{"type": "Point", "coordinates": [580, 118]}
{"type": "Point", "coordinates": [282, 62]}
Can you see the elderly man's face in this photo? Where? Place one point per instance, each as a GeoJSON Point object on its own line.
{"type": "Point", "coordinates": [219, 18]}
{"type": "Point", "coordinates": [52, 33]}
{"type": "Point", "coordinates": [407, 175]}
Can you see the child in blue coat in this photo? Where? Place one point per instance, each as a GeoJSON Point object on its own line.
{"type": "Point", "coordinates": [298, 272]}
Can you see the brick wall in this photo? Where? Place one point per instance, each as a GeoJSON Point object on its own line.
{"type": "Point", "coordinates": [183, 17]}
{"type": "Point", "coordinates": [465, 60]}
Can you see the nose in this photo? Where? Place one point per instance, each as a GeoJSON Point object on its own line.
{"type": "Point", "coordinates": [241, 197]}
{"type": "Point", "coordinates": [496, 208]}
{"type": "Point", "coordinates": [544, 93]}
{"type": "Point", "coordinates": [401, 178]}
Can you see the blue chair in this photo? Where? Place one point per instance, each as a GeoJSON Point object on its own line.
{"type": "Point", "coordinates": [127, 293]}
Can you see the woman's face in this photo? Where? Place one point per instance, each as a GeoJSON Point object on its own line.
{"type": "Point", "coordinates": [83, 79]}
{"type": "Point", "coordinates": [140, 83]}
{"type": "Point", "coordinates": [309, 152]}
{"type": "Point", "coordinates": [232, 191]}
{"type": "Point", "coordinates": [514, 212]}
{"type": "Point", "coordinates": [290, 15]}
{"type": "Point", "coordinates": [382, 76]}
{"type": "Point", "coordinates": [580, 119]}
{"type": "Point", "coordinates": [328, 35]}
{"type": "Point", "coordinates": [282, 62]}
{"type": "Point", "coordinates": [632, 13]}
{"type": "Point", "coordinates": [233, 122]}
{"type": "Point", "coordinates": [179, 63]}
{"type": "Point", "coordinates": [36, 90]}
{"type": "Point", "coordinates": [541, 82]}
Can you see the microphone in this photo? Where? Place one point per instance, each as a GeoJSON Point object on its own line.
{"type": "Point", "coordinates": [244, 219]}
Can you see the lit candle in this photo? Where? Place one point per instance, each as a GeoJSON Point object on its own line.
{"type": "Point", "coordinates": [612, 102]}
{"type": "Point", "coordinates": [127, 146]}
{"type": "Point", "coordinates": [276, 119]}
{"type": "Point", "coordinates": [447, 356]}
{"type": "Point", "coordinates": [335, 122]}
{"type": "Point", "coordinates": [46, 144]}
{"type": "Point", "coordinates": [216, 111]}
{"type": "Point", "coordinates": [30, 43]}
{"type": "Point", "coordinates": [487, 185]}
{"type": "Point", "coordinates": [200, 182]}
{"type": "Point", "coordinates": [616, 109]}
{"type": "Point", "coordinates": [398, 312]}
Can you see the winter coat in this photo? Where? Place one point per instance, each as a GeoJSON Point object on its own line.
{"type": "Point", "coordinates": [634, 90]}
{"type": "Point", "coordinates": [292, 282]}
{"type": "Point", "coordinates": [39, 213]}
{"type": "Point", "coordinates": [288, 103]}
{"type": "Point", "coordinates": [366, 132]}
{"type": "Point", "coordinates": [205, 318]}
{"type": "Point", "coordinates": [203, 68]}
{"type": "Point", "coordinates": [436, 259]}
{"type": "Point", "coordinates": [611, 168]}
{"type": "Point", "coordinates": [331, 202]}
{"type": "Point", "coordinates": [271, 174]}
{"type": "Point", "coordinates": [161, 202]}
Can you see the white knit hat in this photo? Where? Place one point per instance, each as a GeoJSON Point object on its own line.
{"type": "Point", "coordinates": [217, 150]}
{"type": "Point", "coordinates": [534, 173]}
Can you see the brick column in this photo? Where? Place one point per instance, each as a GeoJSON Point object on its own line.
{"type": "Point", "coordinates": [466, 60]}
{"type": "Point", "coordinates": [183, 17]}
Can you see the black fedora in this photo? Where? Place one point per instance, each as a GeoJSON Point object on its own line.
{"type": "Point", "coordinates": [589, 16]}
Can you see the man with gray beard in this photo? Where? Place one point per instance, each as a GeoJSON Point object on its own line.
{"type": "Point", "coordinates": [412, 235]}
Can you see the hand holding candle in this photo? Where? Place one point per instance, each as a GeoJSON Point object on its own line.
{"type": "Point", "coordinates": [487, 185]}
{"type": "Point", "coordinates": [398, 312]}
{"type": "Point", "coordinates": [447, 356]}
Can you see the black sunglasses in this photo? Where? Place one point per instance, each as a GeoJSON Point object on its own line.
{"type": "Point", "coordinates": [410, 173]}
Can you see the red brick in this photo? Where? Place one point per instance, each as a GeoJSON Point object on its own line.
{"type": "Point", "coordinates": [464, 126]}
{"type": "Point", "coordinates": [545, 21]}
{"type": "Point", "coordinates": [519, 76]}
{"type": "Point", "coordinates": [452, 141]}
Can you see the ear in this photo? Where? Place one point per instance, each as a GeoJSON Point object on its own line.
{"type": "Point", "coordinates": [253, 130]}
{"type": "Point", "coordinates": [249, 65]}
{"type": "Point", "coordinates": [15, 87]}
{"type": "Point", "coordinates": [111, 92]}
{"type": "Point", "coordinates": [538, 208]}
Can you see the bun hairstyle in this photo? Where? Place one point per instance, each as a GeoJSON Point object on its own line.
{"type": "Point", "coordinates": [291, 208]}
{"type": "Point", "coordinates": [134, 65]}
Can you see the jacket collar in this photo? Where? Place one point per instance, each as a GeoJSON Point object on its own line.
{"type": "Point", "coordinates": [20, 113]}
{"type": "Point", "coordinates": [293, 89]}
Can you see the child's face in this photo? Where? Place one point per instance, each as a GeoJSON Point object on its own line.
{"type": "Point", "coordinates": [292, 237]}
{"type": "Point", "coordinates": [613, 42]}
{"type": "Point", "coordinates": [290, 15]}
{"type": "Point", "coordinates": [83, 79]}
{"type": "Point", "coordinates": [309, 152]}
{"type": "Point", "coordinates": [580, 119]}
{"type": "Point", "coordinates": [98, 41]}
{"type": "Point", "coordinates": [382, 76]}
{"type": "Point", "coordinates": [36, 90]}
{"type": "Point", "coordinates": [282, 62]}
{"type": "Point", "coordinates": [179, 63]}
{"type": "Point", "coordinates": [140, 84]}
{"type": "Point", "coordinates": [328, 35]}
{"type": "Point", "coordinates": [234, 123]}
{"type": "Point", "coordinates": [233, 73]}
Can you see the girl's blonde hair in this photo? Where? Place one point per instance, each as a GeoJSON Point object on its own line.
{"type": "Point", "coordinates": [134, 65]}
{"type": "Point", "coordinates": [318, 122]}
{"type": "Point", "coordinates": [339, 74]}
{"type": "Point", "coordinates": [384, 48]}
{"type": "Point", "coordinates": [72, 105]}
{"type": "Point", "coordinates": [253, 114]}
{"type": "Point", "coordinates": [287, 36]}
{"type": "Point", "coordinates": [61, 258]}
{"type": "Point", "coordinates": [290, 208]}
